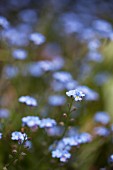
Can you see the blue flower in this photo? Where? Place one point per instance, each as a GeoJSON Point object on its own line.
{"type": "Point", "coordinates": [71, 23]}
{"type": "Point", "coordinates": [71, 141]}
{"type": "Point", "coordinates": [0, 135]}
{"type": "Point", "coordinates": [62, 76]}
{"type": "Point", "coordinates": [4, 113]}
{"type": "Point", "coordinates": [76, 94]}
{"type": "Point", "coordinates": [102, 26]}
{"type": "Point", "coordinates": [101, 131]}
{"type": "Point", "coordinates": [84, 138]}
{"type": "Point", "coordinates": [55, 131]}
{"type": "Point", "coordinates": [19, 37]}
{"type": "Point", "coordinates": [56, 100]}
{"type": "Point", "coordinates": [28, 144]}
{"type": "Point", "coordinates": [19, 136]}
{"type": "Point", "coordinates": [56, 153]}
{"type": "Point", "coordinates": [47, 123]}
{"type": "Point", "coordinates": [57, 85]}
{"type": "Point", "coordinates": [90, 95]}
{"type": "Point", "coordinates": [64, 155]}
{"type": "Point", "coordinates": [102, 117]}
{"type": "Point", "coordinates": [101, 78]}
{"type": "Point", "coordinates": [35, 69]}
{"type": "Point", "coordinates": [31, 121]}
{"type": "Point", "coordinates": [94, 44]}
{"type": "Point", "coordinates": [71, 85]}
{"type": "Point", "coordinates": [94, 56]}
{"type": "Point", "coordinates": [37, 38]}
{"type": "Point", "coordinates": [10, 71]}
{"type": "Point", "coordinates": [110, 159]}
{"type": "Point", "coordinates": [4, 22]}
{"type": "Point", "coordinates": [28, 16]}
{"type": "Point", "coordinates": [52, 65]}
{"type": "Point", "coordinates": [19, 54]}
{"type": "Point", "coordinates": [30, 101]}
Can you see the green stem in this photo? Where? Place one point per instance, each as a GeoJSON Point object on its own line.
{"type": "Point", "coordinates": [67, 119]}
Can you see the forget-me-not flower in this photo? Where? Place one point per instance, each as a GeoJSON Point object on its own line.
{"type": "Point", "coordinates": [4, 113]}
{"type": "Point", "coordinates": [31, 121]}
{"type": "Point", "coordinates": [102, 117]}
{"type": "Point", "coordinates": [56, 100]}
{"type": "Point", "coordinates": [47, 123]}
{"type": "Point", "coordinates": [101, 131]}
{"type": "Point", "coordinates": [76, 94]}
{"type": "Point", "coordinates": [19, 54]}
{"type": "Point", "coordinates": [30, 101]}
{"type": "Point", "coordinates": [19, 136]}
{"type": "Point", "coordinates": [37, 38]}
{"type": "Point", "coordinates": [0, 135]}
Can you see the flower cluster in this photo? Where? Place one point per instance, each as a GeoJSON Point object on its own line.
{"type": "Point", "coordinates": [62, 148]}
{"type": "Point", "coordinates": [19, 136]}
{"type": "Point", "coordinates": [34, 121]}
{"type": "Point", "coordinates": [30, 101]}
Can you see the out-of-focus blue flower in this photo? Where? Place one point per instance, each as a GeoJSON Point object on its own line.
{"type": "Point", "coordinates": [90, 94]}
{"type": "Point", "coordinates": [71, 141]}
{"type": "Point", "coordinates": [101, 78]}
{"type": "Point", "coordinates": [71, 85]}
{"type": "Point", "coordinates": [60, 149]}
{"type": "Point", "coordinates": [37, 38]}
{"type": "Point", "coordinates": [71, 23]}
{"type": "Point", "coordinates": [102, 26]}
{"type": "Point", "coordinates": [52, 65]}
{"type": "Point", "coordinates": [10, 71]}
{"type": "Point", "coordinates": [28, 15]}
{"type": "Point", "coordinates": [84, 138]}
{"type": "Point", "coordinates": [19, 136]}
{"type": "Point", "coordinates": [58, 63]}
{"type": "Point", "coordinates": [31, 121]}
{"type": "Point", "coordinates": [101, 131]}
{"type": "Point", "coordinates": [94, 44]}
{"type": "Point", "coordinates": [28, 144]}
{"type": "Point", "coordinates": [47, 123]}
{"type": "Point", "coordinates": [15, 4]}
{"type": "Point", "coordinates": [62, 146]}
{"type": "Point", "coordinates": [56, 153]}
{"type": "Point", "coordinates": [102, 117]}
{"type": "Point", "coordinates": [19, 38]}
{"type": "Point", "coordinates": [35, 69]}
{"type": "Point", "coordinates": [56, 100]}
{"type": "Point", "coordinates": [55, 131]}
{"type": "Point", "coordinates": [76, 94]}
{"type": "Point", "coordinates": [73, 131]}
{"type": "Point", "coordinates": [19, 54]}
{"type": "Point", "coordinates": [94, 56]}
{"type": "Point", "coordinates": [63, 80]}
{"type": "Point", "coordinates": [4, 113]}
{"type": "Point", "coordinates": [4, 22]}
{"type": "Point", "coordinates": [62, 76]}
{"type": "Point", "coordinates": [46, 65]}
{"type": "Point", "coordinates": [57, 86]}
{"type": "Point", "coordinates": [30, 101]}
{"type": "Point", "coordinates": [87, 34]}
{"type": "Point", "coordinates": [64, 155]}
{"type": "Point", "coordinates": [0, 135]}
{"type": "Point", "coordinates": [110, 159]}
{"type": "Point", "coordinates": [25, 28]}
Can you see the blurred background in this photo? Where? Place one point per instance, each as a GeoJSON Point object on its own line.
{"type": "Point", "coordinates": [48, 48]}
